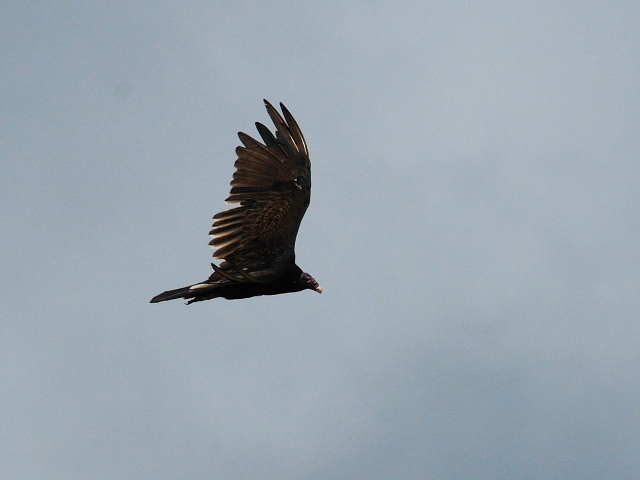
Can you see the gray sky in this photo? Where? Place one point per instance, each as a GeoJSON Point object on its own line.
{"type": "Point", "coordinates": [474, 224]}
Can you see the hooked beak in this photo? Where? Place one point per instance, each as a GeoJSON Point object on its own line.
{"type": "Point", "coordinates": [318, 289]}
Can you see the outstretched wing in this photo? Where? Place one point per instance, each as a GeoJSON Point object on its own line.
{"type": "Point", "coordinates": [272, 184]}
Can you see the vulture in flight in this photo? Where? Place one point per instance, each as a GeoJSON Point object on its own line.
{"type": "Point", "coordinates": [256, 240]}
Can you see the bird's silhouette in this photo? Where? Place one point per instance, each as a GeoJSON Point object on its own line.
{"type": "Point", "coordinates": [256, 240]}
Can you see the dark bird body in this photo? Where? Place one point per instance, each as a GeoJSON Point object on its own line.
{"type": "Point", "coordinates": [256, 240]}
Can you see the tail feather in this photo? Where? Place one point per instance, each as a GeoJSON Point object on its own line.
{"type": "Point", "coordinates": [184, 292]}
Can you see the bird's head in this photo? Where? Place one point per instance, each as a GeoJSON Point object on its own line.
{"type": "Point", "coordinates": [309, 282]}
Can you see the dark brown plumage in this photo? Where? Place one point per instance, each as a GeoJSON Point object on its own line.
{"type": "Point", "coordinates": [256, 240]}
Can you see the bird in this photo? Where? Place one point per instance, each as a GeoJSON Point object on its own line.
{"type": "Point", "coordinates": [255, 240]}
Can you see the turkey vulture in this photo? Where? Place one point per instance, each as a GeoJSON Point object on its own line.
{"type": "Point", "coordinates": [256, 240]}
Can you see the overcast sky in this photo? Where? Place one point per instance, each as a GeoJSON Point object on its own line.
{"type": "Point", "coordinates": [474, 224]}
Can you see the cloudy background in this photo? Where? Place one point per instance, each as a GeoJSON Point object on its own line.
{"type": "Point", "coordinates": [474, 223]}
